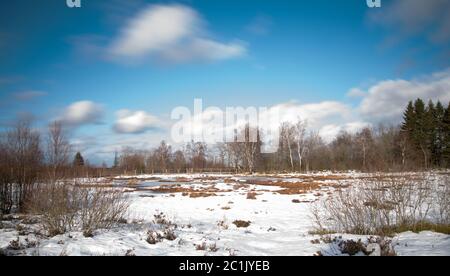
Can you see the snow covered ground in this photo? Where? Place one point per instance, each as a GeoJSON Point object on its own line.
{"type": "Point", "coordinates": [201, 213]}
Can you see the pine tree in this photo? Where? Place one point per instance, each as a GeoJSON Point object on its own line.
{"type": "Point", "coordinates": [430, 126]}
{"type": "Point", "coordinates": [419, 132]}
{"type": "Point", "coordinates": [446, 137]}
{"type": "Point", "coordinates": [78, 160]}
{"type": "Point", "coordinates": [116, 160]}
{"type": "Point", "coordinates": [439, 142]}
{"type": "Point", "coordinates": [408, 118]}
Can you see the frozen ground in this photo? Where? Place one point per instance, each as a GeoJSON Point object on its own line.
{"type": "Point", "coordinates": [203, 208]}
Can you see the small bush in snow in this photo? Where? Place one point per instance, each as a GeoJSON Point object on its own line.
{"type": "Point", "coordinates": [373, 246]}
{"type": "Point", "coordinates": [16, 245]}
{"type": "Point", "coordinates": [213, 247]}
{"type": "Point", "coordinates": [201, 247]}
{"type": "Point", "coordinates": [101, 209]}
{"type": "Point", "coordinates": [241, 223]}
{"type": "Point", "coordinates": [169, 234]}
{"type": "Point", "coordinates": [153, 237]}
{"type": "Point", "coordinates": [130, 253]}
{"type": "Point", "coordinates": [222, 224]}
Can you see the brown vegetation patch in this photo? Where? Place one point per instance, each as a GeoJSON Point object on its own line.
{"type": "Point", "coordinates": [201, 194]}
{"type": "Point", "coordinates": [241, 223]}
{"type": "Point", "coordinates": [292, 188]}
{"type": "Point", "coordinates": [252, 195]}
{"type": "Point", "coordinates": [207, 178]}
{"type": "Point", "coordinates": [239, 186]}
{"type": "Point", "coordinates": [137, 179]}
{"type": "Point", "coordinates": [197, 192]}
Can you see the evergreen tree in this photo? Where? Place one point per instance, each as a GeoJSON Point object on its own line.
{"type": "Point", "coordinates": [446, 137]}
{"type": "Point", "coordinates": [420, 133]}
{"type": "Point", "coordinates": [430, 126]}
{"type": "Point", "coordinates": [78, 160]}
{"type": "Point", "coordinates": [408, 118]}
{"type": "Point", "coordinates": [116, 160]}
{"type": "Point", "coordinates": [439, 133]}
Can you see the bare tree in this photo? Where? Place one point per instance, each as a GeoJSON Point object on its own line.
{"type": "Point", "coordinates": [365, 141]}
{"type": "Point", "coordinates": [301, 141]}
{"type": "Point", "coordinates": [179, 162]}
{"type": "Point", "coordinates": [162, 154]}
{"type": "Point", "coordinates": [287, 132]}
{"type": "Point", "coordinates": [251, 147]}
{"type": "Point", "coordinates": [58, 150]}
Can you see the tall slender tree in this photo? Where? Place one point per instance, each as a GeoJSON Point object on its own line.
{"type": "Point", "coordinates": [409, 118]}
{"type": "Point", "coordinates": [446, 137]}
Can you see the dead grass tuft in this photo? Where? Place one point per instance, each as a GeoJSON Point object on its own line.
{"type": "Point", "coordinates": [241, 223]}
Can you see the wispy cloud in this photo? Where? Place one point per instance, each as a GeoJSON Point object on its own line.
{"type": "Point", "coordinates": [29, 95]}
{"type": "Point", "coordinates": [404, 22]}
{"type": "Point", "coordinates": [409, 18]}
{"type": "Point", "coordinates": [260, 25]}
{"type": "Point", "coordinates": [10, 79]}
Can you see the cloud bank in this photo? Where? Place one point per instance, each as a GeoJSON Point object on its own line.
{"type": "Point", "coordinates": [386, 100]}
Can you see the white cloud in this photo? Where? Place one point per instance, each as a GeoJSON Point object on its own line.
{"type": "Point", "coordinates": [329, 132]}
{"type": "Point", "coordinates": [83, 112]}
{"type": "Point", "coordinates": [170, 32]}
{"type": "Point", "coordinates": [386, 100]}
{"type": "Point", "coordinates": [135, 122]}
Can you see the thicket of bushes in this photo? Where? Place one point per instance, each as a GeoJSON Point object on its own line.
{"type": "Point", "coordinates": [35, 177]}
{"type": "Point", "coordinates": [69, 207]}
{"type": "Point", "coordinates": [385, 205]}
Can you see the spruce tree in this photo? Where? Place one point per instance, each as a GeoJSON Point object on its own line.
{"type": "Point", "coordinates": [446, 137]}
{"type": "Point", "coordinates": [78, 160]}
{"type": "Point", "coordinates": [408, 119]}
{"type": "Point", "coordinates": [419, 132]}
{"type": "Point", "coordinates": [116, 160]}
{"type": "Point", "coordinates": [430, 126]}
{"type": "Point", "coordinates": [439, 142]}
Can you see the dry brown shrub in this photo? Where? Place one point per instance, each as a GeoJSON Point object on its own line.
{"type": "Point", "coordinates": [241, 223]}
{"type": "Point", "coordinates": [387, 205]}
{"type": "Point", "coordinates": [251, 195]}
{"type": "Point", "coordinates": [201, 194]}
{"type": "Point", "coordinates": [64, 208]}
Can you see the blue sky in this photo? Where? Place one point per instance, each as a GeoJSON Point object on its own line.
{"type": "Point", "coordinates": [228, 53]}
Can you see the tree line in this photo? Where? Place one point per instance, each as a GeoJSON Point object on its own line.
{"type": "Point", "coordinates": [422, 141]}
